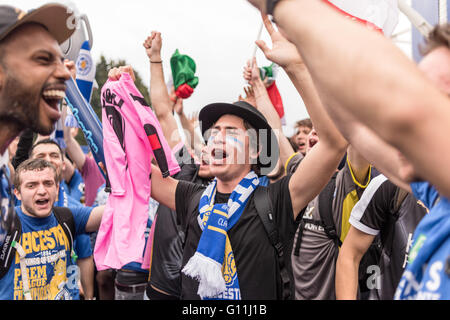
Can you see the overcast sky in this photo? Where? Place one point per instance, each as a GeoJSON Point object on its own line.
{"type": "Point", "coordinates": [219, 35]}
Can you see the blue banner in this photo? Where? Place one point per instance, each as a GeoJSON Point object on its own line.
{"type": "Point", "coordinates": [87, 121]}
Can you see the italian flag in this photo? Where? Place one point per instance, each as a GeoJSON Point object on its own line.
{"type": "Point", "coordinates": [183, 74]}
{"type": "Point", "coordinates": [270, 73]}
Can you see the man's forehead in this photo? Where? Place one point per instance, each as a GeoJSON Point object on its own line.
{"type": "Point", "coordinates": [230, 121]}
{"type": "Point", "coordinates": [37, 175]}
{"type": "Point", "coordinates": [46, 148]}
{"type": "Point", "coordinates": [34, 36]}
{"type": "Point", "coordinates": [300, 128]}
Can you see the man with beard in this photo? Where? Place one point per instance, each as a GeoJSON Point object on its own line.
{"type": "Point", "coordinates": [32, 77]}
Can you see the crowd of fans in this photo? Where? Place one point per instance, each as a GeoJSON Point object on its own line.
{"type": "Point", "coordinates": [352, 206]}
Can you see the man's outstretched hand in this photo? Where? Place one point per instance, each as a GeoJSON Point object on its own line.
{"type": "Point", "coordinates": [283, 52]}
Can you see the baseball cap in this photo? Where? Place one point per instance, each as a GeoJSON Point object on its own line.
{"type": "Point", "coordinates": [54, 17]}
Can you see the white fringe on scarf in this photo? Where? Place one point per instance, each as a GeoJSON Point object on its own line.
{"type": "Point", "coordinates": [209, 274]}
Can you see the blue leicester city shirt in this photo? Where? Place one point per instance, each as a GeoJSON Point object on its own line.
{"type": "Point", "coordinates": [48, 260]}
{"type": "Point", "coordinates": [427, 275]}
{"type": "Point", "coordinates": [75, 187]}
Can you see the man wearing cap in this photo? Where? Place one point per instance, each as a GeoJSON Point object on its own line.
{"type": "Point", "coordinates": [32, 76]}
{"type": "Point", "coordinates": [227, 252]}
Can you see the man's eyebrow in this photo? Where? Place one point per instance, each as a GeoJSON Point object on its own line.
{"type": "Point", "coordinates": [44, 51]}
{"type": "Point", "coordinates": [226, 127]}
{"type": "Point", "coordinates": [51, 54]}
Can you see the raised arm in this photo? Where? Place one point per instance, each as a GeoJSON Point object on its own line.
{"type": "Point", "coordinates": [286, 55]}
{"type": "Point", "coordinates": [321, 162]}
{"type": "Point", "coordinates": [392, 98]}
{"type": "Point", "coordinates": [163, 189]}
{"type": "Point", "coordinates": [73, 148]}
{"type": "Point", "coordinates": [194, 139]}
{"type": "Point", "coordinates": [383, 156]}
{"type": "Point", "coordinates": [263, 104]}
{"type": "Point", "coordinates": [159, 96]}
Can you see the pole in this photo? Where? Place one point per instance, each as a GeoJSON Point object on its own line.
{"type": "Point", "coordinates": [416, 19]}
{"type": "Point", "coordinates": [443, 17]}
{"type": "Point", "coordinates": [258, 38]}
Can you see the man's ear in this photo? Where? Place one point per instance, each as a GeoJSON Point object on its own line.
{"type": "Point", "coordinates": [63, 166]}
{"type": "Point", "coordinates": [57, 191]}
{"type": "Point", "coordinates": [17, 194]}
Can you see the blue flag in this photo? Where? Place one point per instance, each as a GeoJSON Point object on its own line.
{"type": "Point", "coordinates": [85, 71]}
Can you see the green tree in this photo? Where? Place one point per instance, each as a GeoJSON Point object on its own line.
{"type": "Point", "coordinates": [102, 68]}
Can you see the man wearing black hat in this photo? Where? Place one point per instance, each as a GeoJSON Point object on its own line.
{"type": "Point", "coordinates": [227, 252]}
{"type": "Point", "coordinates": [32, 76]}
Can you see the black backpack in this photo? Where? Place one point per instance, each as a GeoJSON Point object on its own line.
{"type": "Point", "coordinates": [326, 216]}
{"type": "Point", "coordinates": [265, 211]}
{"type": "Point", "coordinates": [7, 254]}
{"type": "Point", "coordinates": [371, 257]}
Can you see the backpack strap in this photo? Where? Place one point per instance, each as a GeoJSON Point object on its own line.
{"type": "Point", "coordinates": [65, 218]}
{"type": "Point", "coordinates": [301, 228]}
{"type": "Point", "coordinates": [326, 216]}
{"type": "Point", "coordinates": [399, 198]}
{"type": "Point", "coordinates": [265, 212]}
{"type": "Point", "coordinates": [298, 243]}
{"type": "Point", "coordinates": [8, 250]}
{"type": "Point", "coordinates": [326, 210]}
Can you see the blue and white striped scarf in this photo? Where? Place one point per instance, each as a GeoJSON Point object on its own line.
{"type": "Point", "coordinates": [213, 265]}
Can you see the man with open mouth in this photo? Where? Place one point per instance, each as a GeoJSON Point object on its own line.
{"type": "Point", "coordinates": [32, 80]}
{"type": "Point", "coordinates": [225, 235]}
{"type": "Point", "coordinates": [39, 260]}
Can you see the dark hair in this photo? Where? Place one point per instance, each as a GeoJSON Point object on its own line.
{"type": "Point", "coordinates": [438, 37]}
{"type": "Point", "coordinates": [46, 141]}
{"type": "Point", "coordinates": [255, 166]}
{"type": "Point", "coordinates": [33, 165]}
{"type": "Point", "coordinates": [304, 123]}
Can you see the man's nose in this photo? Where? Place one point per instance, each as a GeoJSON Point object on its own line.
{"type": "Point", "coordinates": [61, 72]}
{"type": "Point", "coordinates": [216, 138]}
{"type": "Point", "coordinates": [41, 189]}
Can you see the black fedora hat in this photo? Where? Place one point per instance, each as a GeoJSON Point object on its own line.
{"type": "Point", "coordinates": [269, 154]}
{"type": "Point", "coordinates": [55, 17]}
